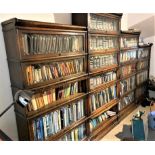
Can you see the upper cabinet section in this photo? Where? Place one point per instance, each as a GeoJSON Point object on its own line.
{"type": "Point", "coordinates": [98, 22]}
{"type": "Point", "coordinates": [40, 40]}
{"type": "Point", "coordinates": [129, 40]}
{"type": "Point", "coordinates": [103, 23]}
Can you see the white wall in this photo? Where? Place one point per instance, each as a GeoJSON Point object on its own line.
{"type": "Point", "coordinates": [8, 122]}
{"type": "Point", "coordinates": [146, 23]}
{"type": "Point", "coordinates": [124, 22]}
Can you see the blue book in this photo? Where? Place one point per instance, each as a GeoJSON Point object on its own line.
{"type": "Point", "coordinates": [38, 134]}
{"type": "Point", "coordinates": [41, 128]}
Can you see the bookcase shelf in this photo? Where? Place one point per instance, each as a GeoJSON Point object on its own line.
{"type": "Point", "coordinates": [66, 130]}
{"type": "Point", "coordinates": [104, 108]}
{"type": "Point", "coordinates": [126, 110]}
{"type": "Point", "coordinates": [129, 48]}
{"type": "Point", "coordinates": [103, 128]}
{"type": "Point", "coordinates": [55, 105]}
{"type": "Point", "coordinates": [76, 74]}
{"type": "Point", "coordinates": [103, 69]}
{"type": "Point", "coordinates": [126, 93]}
{"type": "Point", "coordinates": [128, 62]}
{"type": "Point", "coordinates": [103, 86]}
{"type": "Point", "coordinates": [107, 51]}
{"type": "Point", "coordinates": [128, 76]}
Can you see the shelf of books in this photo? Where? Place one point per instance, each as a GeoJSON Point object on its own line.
{"type": "Point", "coordinates": [103, 64]}
{"type": "Point", "coordinates": [50, 60]}
{"type": "Point", "coordinates": [127, 73]}
{"type": "Point", "coordinates": [143, 68]}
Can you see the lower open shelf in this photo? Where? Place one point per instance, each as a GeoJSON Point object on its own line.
{"type": "Point", "coordinates": [103, 128]}
{"type": "Point", "coordinates": [126, 111]}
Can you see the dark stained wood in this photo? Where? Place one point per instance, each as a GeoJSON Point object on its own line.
{"type": "Point", "coordinates": [102, 129]}
{"type": "Point", "coordinates": [103, 108]}
{"type": "Point", "coordinates": [17, 62]}
{"type": "Point", "coordinates": [126, 111]}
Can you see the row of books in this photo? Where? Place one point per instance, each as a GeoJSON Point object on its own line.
{"type": "Point", "coordinates": [38, 73]}
{"type": "Point", "coordinates": [140, 91]}
{"type": "Point", "coordinates": [127, 42]}
{"type": "Point", "coordinates": [128, 99]}
{"type": "Point", "coordinates": [52, 123]}
{"type": "Point", "coordinates": [102, 78]}
{"type": "Point", "coordinates": [142, 64]}
{"type": "Point", "coordinates": [101, 118]}
{"type": "Point", "coordinates": [40, 100]}
{"type": "Point", "coordinates": [44, 44]}
{"type": "Point", "coordinates": [127, 56]}
{"type": "Point", "coordinates": [103, 23]}
{"type": "Point", "coordinates": [127, 70]}
{"type": "Point", "coordinates": [127, 85]}
{"type": "Point", "coordinates": [102, 61]}
{"type": "Point", "coordinates": [100, 98]}
{"type": "Point", "coordinates": [76, 134]}
{"type": "Point", "coordinates": [103, 43]}
{"type": "Point", "coordinates": [142, 77]}
{"type": "Point", "coordinates": [67, 90]}
{"type": "Point", "coordinates": [143, 53]}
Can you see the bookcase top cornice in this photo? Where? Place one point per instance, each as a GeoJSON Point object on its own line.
{"type": "Point", "coordinates": [30, 23]}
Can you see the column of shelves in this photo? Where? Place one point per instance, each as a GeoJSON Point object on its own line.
{"type": "Point", "coordinates": [103, 53]}
{"type": "Point", "coordinates": [51, 60]}
{"type": "Point", "coordinates": [127, 73]}
{"type": "Point", "coordinates": [143, 68]}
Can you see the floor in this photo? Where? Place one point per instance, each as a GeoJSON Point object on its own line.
{"type": "Point", "coordinates": [113, 134]}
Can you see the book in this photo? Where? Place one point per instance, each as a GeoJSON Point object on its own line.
{"type": "Point", "coordinates": [142, 77]}
{"type": "Point", "coordinates": [102, 23]}
{"type": "Point", "coordinates": [46, 44]}
{"type": "Point", "coordinates": [99, 43]}
{"type": "Point", "coordinates": [37, 73]}
{"type": "Point", "coordinates": [96, 81]}
{"type": "Point", "coordinates": [127, 70]}
{"type": "Point", "coordinates": [127, 42]}
{"type": "Point", "coordinates": [102, 61]}
{"type": "Point", "coordinates": [143, 53]}
{"type": "Point", "coordinates": [93, 123]}
{"type": "Point", "coordinates": [126, 56]}
{"type": "Point", "coordinates": [53, 122]}
{"type": "Point", "coordinates": [142, 65]}
{"type": "Point", "coordinates": [102, 97]}
{"type": "Point", "coordinates": [127, 85]}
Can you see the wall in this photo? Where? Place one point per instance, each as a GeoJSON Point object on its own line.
{"type": "Point", "coordinates": [8, 122]}
{"type": "Point", "coordinates": [145, 23]}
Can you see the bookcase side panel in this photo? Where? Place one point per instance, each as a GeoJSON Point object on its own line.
{"type": "Point", "coordinates": [11, 44]}
{"type": "Point", "coordinates": [22, 126]}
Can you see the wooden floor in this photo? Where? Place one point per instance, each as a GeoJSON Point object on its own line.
{"type": "Point", "coordinates": [113, 134]}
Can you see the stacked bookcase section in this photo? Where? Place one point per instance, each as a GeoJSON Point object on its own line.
{"type": "Point", "coordinates": [143, 68]}
{"type": "Point", "coordinates": [103, 63]}
{"type": "Point", "coordinates": [134, 72]}
{"type": "Point", "coordinates": [50, 60]}
{"type": "Point", "coordinates": [127, 72]}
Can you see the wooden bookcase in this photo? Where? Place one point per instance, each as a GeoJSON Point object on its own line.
{"type": "Point", "coordinates": [50, 60]}
{"type": "Point", "coordinates": [100, 25]}
{"type": "Point", "coordinates": [103, 44]}
{"type": "Point", "coordinates": [75, 73]}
